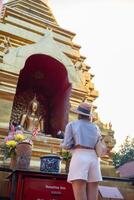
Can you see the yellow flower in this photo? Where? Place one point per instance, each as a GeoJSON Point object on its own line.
{"type": "Point", "coordinates": [11, 143]}
{"type": "Point", "coordinates": [19, 137]}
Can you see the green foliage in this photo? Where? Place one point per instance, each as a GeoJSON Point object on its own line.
{"type": "Point", "coordinates": [66, 155]}
{"type": "Point", "coordinates": [7, 151]}
{"type": "Point", "coordinates": [125, 153]}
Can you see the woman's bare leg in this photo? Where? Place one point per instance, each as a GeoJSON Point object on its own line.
{"type": "Point", "coordinates": [92, 191]}
{"type": "Point", "coordinates": [79, 189]}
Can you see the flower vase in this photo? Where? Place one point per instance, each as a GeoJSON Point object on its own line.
{"type": "Point", "coordinates": [13, 162]}
{"type": "Point", "coordinates": [23, 152]}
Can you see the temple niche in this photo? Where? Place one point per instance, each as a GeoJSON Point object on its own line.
{"type": "Point", "coordinates": [39, 58]}
{"type": "Point", "coordinates": [39, 78]}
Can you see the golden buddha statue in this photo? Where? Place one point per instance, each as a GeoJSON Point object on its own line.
{"type": "Point", "coordinates": [32, 120]}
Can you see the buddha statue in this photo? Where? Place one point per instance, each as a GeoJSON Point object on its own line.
{"type": "Point", "coordinates": [31, 120]}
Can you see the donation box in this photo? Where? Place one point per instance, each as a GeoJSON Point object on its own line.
{"type": "Point", "coordinates": [39, 186]}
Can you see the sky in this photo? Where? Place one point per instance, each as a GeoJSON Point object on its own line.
{"type": "Point", "coordinates": [105, 31]}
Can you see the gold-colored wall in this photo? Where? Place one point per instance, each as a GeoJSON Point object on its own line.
{"type": "Point", "coordinates": [5, 112]}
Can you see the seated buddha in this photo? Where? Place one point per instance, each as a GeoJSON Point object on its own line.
{"type": "Point", "coordinates": [31, 120]}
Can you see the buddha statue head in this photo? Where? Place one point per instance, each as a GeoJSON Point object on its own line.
{"type": "Point", "coordinates": [33, 107]}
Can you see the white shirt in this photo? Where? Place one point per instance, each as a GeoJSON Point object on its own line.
{"type": "Point", "coordinates": [81, 132]}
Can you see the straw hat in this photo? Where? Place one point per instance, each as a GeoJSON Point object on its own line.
{"type": "Point", "coordinates": [83, 109]}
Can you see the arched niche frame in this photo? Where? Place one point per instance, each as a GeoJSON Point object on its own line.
{"type": "Point", "coordinates": [46, 77]}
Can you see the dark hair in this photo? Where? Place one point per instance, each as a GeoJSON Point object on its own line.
{"type": "Point", "coordinates": [83, 117]}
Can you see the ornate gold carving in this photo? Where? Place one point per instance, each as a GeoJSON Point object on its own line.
{"type": "Point", "coordinates": [6, 45]}
{"type": "Point", "coordinates": [38, 75]}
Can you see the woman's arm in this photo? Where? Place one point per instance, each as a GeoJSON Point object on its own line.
{"type": "Point", "coordinates": [68, 141]}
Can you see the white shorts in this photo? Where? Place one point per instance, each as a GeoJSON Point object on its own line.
{"type": "Point", "coordinates": [84, 165]}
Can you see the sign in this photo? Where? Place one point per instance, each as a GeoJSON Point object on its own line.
{"type": "Point", "coordinates": [46, 189]}
{"type": "Point", "coordinates": [110, 192]}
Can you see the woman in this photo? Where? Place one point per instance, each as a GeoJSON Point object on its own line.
{"type": "Point", "coordinates": [81, 137]}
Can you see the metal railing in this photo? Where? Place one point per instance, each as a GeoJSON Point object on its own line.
{"type": "Point", "coordinates": [118, 179]}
